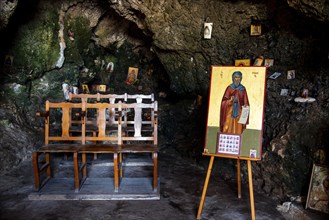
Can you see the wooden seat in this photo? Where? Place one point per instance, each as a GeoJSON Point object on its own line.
{"type": "Point", "coordinates": [141, 141]}
{"type": "Point", "coordinates": [63, 141]}
{"type": "Point", "coordinates": [107, 140]}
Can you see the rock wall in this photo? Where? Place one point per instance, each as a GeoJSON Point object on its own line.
{"type": "Point", "coordinates": [165, 40]}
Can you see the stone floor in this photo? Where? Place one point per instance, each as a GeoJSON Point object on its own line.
{"type": "Point", "coordinates": [181, 187]}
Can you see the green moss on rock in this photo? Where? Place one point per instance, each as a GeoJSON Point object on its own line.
{"type": "Point", "coordinates": [36, 47]}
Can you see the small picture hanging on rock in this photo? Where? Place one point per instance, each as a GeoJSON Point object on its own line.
{"type": "Point", "coordinates": [268, 62]}
{"type": "Point", "coordinates": [284, 92]}
{"type": "Point", "coordinates": [207, 30]}
{"type": "Point", "coordinates": [101, 88]}
{"type": "Point", "coordinates": [259, 61]}
{"type": "Point", "coordinates": [132, 75]}
{"type": "Point", "coordinates": [84, 88]}
{"type": "Point", "coordinates": [255, 29]}
{"type": "Point", "coordinates": [275, 75]}
{"type": "Point", "coordinates": [243, 62]}
{"type": "Point", "coordinates": [304, 93]}
{"type": "Point", "coordinates": [9, 60]}
{"type": "Point", "coordinates": [291, 74]}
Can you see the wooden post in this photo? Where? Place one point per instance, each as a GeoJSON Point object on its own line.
{"type": "Point", "coordinates": [205, 187]}
{"type": "Point", "coordinates": [116, 172]}
{"type": "Point", "coordinates": [239, 177]}
{"type": "Point", "coordinates": [76, 171]}
{"type": "Point", "coordinates": [36, 170]}
{"type": "Point", "coordinates": [251, 191]}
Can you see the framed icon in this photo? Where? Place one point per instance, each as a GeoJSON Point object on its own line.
{"type": "Point", "coordinates": [255, 29]}
{"type": "Point", "coordinates": [236, 107]}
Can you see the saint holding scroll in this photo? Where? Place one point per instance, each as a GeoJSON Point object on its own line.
{"type": "Point", "coordinates": [234, 99]}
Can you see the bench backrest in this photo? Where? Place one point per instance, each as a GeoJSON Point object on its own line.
{"type": "Point", "coordinates": [113, 98]}
{"type": "Point", "coordinates": [141, 98]}
{"type": "Point", "coordinates": [55, 131]}
{"type": "Point", "coordinates": [84, 97]}
{"type": "Point", "coordinates": [99, 112]}
{"type": "Point", "coordinates": [139, 110]}
{"type": "Point", "coordinates": [92, 98]}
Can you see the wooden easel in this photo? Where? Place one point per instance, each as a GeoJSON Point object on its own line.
{"type": "Point", "coordinates": [251, 191]}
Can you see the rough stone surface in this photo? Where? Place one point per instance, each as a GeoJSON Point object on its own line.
{"type": "Point", "coordinates": [164, 39]}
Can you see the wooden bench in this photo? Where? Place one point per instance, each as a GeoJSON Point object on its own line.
{"type": "Point", "coordinates": [58, 142]}
{"type": "Point", "coordinates": [142, 141]}
{"type": "Point", "coordinates": [122, 142]}
{"type": "Point", "coordinates": [108, 141]}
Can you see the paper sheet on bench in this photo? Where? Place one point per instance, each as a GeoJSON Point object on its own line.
{"type": "Point", "coordinates": [244, 115]}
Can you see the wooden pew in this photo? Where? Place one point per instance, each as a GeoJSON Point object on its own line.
{"type": "Point", "coordinates": [108, 141]}
{"type": "Point", "coordinates": [58, 142]}
{"type": "Point", "coordinates": [141, 141]}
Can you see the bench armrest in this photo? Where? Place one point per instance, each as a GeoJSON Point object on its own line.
{"type": "Point", "coordinates": [42, 114]}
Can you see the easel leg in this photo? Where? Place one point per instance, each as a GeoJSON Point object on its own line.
{"type": "Point", "coordinates": [251, 191]}
{"type": "Point", "coordinates": [205, 187]}
{"type": "Point", "coordinates": [239, 178]}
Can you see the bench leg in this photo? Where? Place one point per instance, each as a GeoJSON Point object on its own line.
{"type": "Point", "coordinates": [84, 164]}
{"type": "Point", "coordinates": [120, 165]}
{"type": "Point", "coordinates": [116, 172]}
{"type": "Point", "coordinates": [76, 172]}
{"type": "Point", "coordinates": [49, 174]}
{"type": "Point", "coordinates": [95, 142]}
{"type": "Point", "coordinates": [155, 171]}
{"type": "Point", "coordinates": [35, 163]}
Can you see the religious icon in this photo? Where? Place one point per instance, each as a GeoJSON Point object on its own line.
{"type": "Point", "coordinates": [9, 60]}
{"type": "Point", "coordinates": [304, 93]}
{"type": "Point", "coordinates": [132, 75]}
{"type": "Point", "coordinates": [85, 88]}
{"type": "Point", "coordinates": [268, 62]}
{"type": "Point", "coordinates": [101, 88]}
{"type": "Point", "coordinates": [242, 62]}
{"type": "Point", "coordinates": [259, 61]}
{"type": "Point", "coordinates": [255, 29]}
{"type": "Point", "coordinates": [291, 74]}
{"type": "Point", "coordinates": [207, 30]}
{"type": "Point", "coordinates": [66, 90]}
{"type": "Point", "coordinates": [110, 67]}
{"type": "Point", "coordinates": [236, 107]}
{"type": "Point", "coordinates": [233, 101]}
